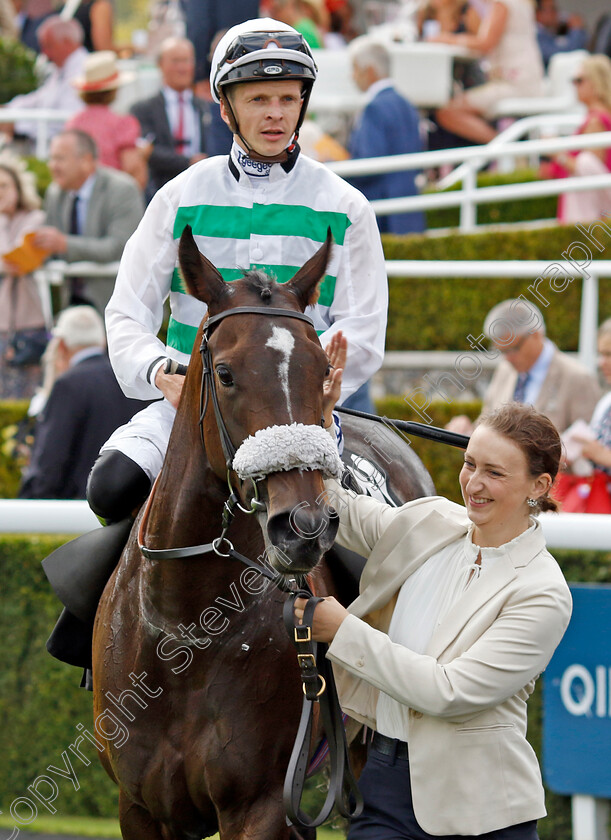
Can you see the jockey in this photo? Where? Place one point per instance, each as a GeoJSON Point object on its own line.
{"type": "Point", "coordinates": [264, 206]}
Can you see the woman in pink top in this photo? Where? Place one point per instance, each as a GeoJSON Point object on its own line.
{"type": "Point", "coordinates": [593, 84]}
{"type": "Point", "coordinates": [116, 135]}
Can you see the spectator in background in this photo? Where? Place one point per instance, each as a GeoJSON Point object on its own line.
{"type": "Point", "coordinates": [558, 33]}
{"type": "Point", "coordinates": [97, 19]}
{"type": "Point", "coordinates": [84, 407]}
{"type": "Point", "coordinates": [532, 369]}
{"type": "Point", "coordinates": [204, 18]}
{"type": "Point", "coordinates": [174, 121]}
{"type": "Point", "coordinates": [22, 322]}
{"type": "Point", "coordinates": [446, 16]}
{"type": "Point", "coordinates": [389, 125]}
{"type": "Point", "coordinates": [30, 14]}
{"type": "Point", "coordinates": [593, 85]}
{"type": "Point", "coordinates": [507, 39]}
{"type": "Point", "coordinates": [62, 42]}
{"type": "Point", "coordinates": [305, 16]}
{"type": "Point", "coordinates": [341, 24]}
{"type": "Point", "coordinates": [601, 36]}
{"type": "Point", "coordinates": [8, 21]}
{"type": "Point", "coordinates": [91, 212]}
{"type": "Point", "coordinates": [117, 136]}
{"type": "Point", "coordinates": [597, 448]}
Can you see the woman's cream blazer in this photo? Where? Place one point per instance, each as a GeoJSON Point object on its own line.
{"type": "Point", "coordinates": [472, 769]}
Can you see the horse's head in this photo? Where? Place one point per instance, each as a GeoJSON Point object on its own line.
{"type": "Point", "coordinates": [264, 399]}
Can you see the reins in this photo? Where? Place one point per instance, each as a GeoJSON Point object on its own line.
{"type": "Point", "coordinates": [318, 685]}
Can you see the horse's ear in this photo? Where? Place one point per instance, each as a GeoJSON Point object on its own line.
{"type": "Point", "coordinates": [305, 282]}
{"type": "Point", "coordinates": [204, 281]}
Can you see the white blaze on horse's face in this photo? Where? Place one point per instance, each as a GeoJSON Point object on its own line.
{"type": "Point", "coordinates": [282, 341]}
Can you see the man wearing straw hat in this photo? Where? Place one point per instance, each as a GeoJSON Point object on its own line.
{"type": "Point", "coordinates": [117, 136]}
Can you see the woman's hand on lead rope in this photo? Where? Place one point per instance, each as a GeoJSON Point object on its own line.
{"type": "Point", "coordinates": [328, 615]}
{"type": "Point", "coordinates": [336, 350]}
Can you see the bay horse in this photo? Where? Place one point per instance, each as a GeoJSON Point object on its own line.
{"type": "Point", "coordinates": [197, 693]}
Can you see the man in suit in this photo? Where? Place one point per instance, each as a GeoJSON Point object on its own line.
{"type": "Point", "coordinates": [174, 120]}
{"type": "Point", "coordinates": [61, 41]}
{"type": "Point", "coordinates": [389, 125]}
{"type": "Point", "coordinates": [84, 407]}
{"type": "Point", "coordinates": [91, 212]}
{"type": "Point", "coordinates": [532, 369]}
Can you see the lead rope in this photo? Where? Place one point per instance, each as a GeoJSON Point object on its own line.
{"type": "Point", "coordinates": [318, 685]}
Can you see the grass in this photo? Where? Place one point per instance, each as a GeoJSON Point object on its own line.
{"type": "Point", "coordinates": [89, 827]}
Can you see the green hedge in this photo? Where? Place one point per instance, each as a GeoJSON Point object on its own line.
{"type": "Point", "coordinates": [11, 414]}
{"type": "Point", "coordinates": [522, 210]}
{"type": "Point", "coordinates": [438, 314]}
{"type": "Point", "coordinates": [41, 704]}
{"type": "Point", "coordinates": [17, 69]}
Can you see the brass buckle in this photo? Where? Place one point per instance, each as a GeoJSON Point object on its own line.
{"type": "Point", "coordinates": [322, 689]}
{"type": "Point", "coordinates": [306, 638]}
{"type": "Point", "coordinates": [306, 660]}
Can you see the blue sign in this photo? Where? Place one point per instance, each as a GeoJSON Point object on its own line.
{"type": "Point", "coordinates": [577, 699]}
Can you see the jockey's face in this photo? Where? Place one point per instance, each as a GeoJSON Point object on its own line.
{"type": "Point", "coordinates": [266, 113]}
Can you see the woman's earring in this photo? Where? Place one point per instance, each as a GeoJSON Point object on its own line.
{"type": "Point", "coordinates": [531, 503]}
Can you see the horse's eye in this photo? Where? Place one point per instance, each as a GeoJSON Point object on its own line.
{"type": "Point", "coordinates": [328, 371]}
{"type": "Point", "coordinates": [224, 375]}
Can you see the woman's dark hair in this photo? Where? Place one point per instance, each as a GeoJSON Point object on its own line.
{"type": "Point", "coordinates": [536, 436]}
{"type": "Point", "coordinates": [98, 97]}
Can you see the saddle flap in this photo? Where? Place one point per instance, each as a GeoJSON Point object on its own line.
{"type": "Point", "coordinates": [79, 570]}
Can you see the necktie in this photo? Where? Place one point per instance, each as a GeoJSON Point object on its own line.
{"type": "Point", "coordinates": [74, 223]}
{"type": "Point", "coordinates": [77, 284]}
{"type": "Point", "coordinates": [179, 136]}
{"type": "Point", "coordinates": [521, 384]}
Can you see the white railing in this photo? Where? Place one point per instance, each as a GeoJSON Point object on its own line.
{"type": "Point", "coordinates": [469, 197]}
{"type": "Point", "coordinates": [54, 272]}
{"type": "Point", "coordinates": [552, 124]}
{"type": "Point", "coordinates": [590, 532]}
{"type": "Point", "coordinates": [44, 118]}
{"type": "Point", "coordinates": [527, 269]}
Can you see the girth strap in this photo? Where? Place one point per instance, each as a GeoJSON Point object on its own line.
{"type": "Point", "coordinates": [318, 687]}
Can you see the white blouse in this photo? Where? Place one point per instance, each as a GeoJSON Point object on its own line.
{"type": "Point", "coordinates": [424, 600]}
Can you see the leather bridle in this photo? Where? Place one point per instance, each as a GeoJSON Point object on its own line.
{"type": "Point", "coordinates": [315, 670]}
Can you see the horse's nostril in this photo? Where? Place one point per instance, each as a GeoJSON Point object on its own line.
{"type": "Point", "coordinates": [303, 531]}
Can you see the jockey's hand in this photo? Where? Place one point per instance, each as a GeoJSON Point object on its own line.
{"type": "Point", "coordinates": [336, 350]}
{"type": "Point", "coordinates": [328, 615]}
{"type": "Point", "coordinates": [170, 385]}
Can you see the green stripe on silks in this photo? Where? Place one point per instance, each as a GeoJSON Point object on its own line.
{"type": "Point", "coordinates": [282, 273]}
{"type": "Point", "coordinates": [181, 336]}
{"type": "Point", "coordinates": [262, 220]}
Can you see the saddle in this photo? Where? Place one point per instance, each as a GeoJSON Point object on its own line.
{"type": "Point", "coordinates": [78, 572]}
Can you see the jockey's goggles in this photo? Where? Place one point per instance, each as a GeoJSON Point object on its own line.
{"type": "Point", "coordinates": [280, 55]}
{"type": "Point", "coordinates": [250, 42]}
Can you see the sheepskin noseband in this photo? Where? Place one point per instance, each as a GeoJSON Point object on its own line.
{"type": "Point", "coordinates": [281, 448]}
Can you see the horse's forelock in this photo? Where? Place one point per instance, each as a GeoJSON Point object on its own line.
{"type": "Point", "coordinates": [260, 283]}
